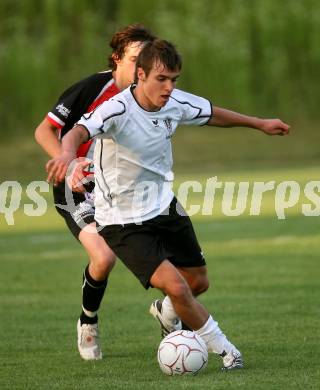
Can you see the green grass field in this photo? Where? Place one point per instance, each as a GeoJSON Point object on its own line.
{"type": "Point", "coordinates": [264, 292]}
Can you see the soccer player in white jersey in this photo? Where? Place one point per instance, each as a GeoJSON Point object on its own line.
{"type": "Point", "coordinates": [136, 210]}
{"type": "Point", "coordinates": [77, 208]}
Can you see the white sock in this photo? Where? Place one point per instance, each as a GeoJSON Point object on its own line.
{"type": "Point", "coordinates": [168, 311]}
{"type": "Point", "coordinates": [88, 313]}
{"type": "Point", "coordinates": [212, 335]}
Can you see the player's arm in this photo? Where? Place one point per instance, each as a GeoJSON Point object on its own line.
{"type": "Point", "coordinates": [226, 118]}
{"type": "Point", "coordinates": [58, 166]}
{"type": "Point", "coordinates": [96, 123]}
{"type": "Point", "coordinates": [62, 115]}
{"type": "Point", "coordinates": [46, 134]}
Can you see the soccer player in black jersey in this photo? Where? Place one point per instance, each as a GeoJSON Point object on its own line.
{"type": "Point", "coordinates": [77, 208]}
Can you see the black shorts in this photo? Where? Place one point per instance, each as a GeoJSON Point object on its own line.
{"type": "Point", "coordinates": [143, 247]}
{"type": "Point", "coordinates": [77, 209]}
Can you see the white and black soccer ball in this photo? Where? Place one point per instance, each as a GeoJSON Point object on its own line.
{"type": "Point", "coordinates": [182, 352]}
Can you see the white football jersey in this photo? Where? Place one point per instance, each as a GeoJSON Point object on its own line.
{"type": "Point", "coordinates": [133, 157]}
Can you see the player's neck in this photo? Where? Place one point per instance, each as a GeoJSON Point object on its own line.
{"type": "Point", "coordinates": [118, 80]}
{"type": "Point", "coordinates": [143, 100]}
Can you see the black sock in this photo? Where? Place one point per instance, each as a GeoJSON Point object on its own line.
{"type": "Point", "coordinates": [92, 294]}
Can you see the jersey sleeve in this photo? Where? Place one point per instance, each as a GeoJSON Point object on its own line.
{"type": "Point", "coordinates": [75, 100]}
{"type": "Point", "coordinates": [100, 121]}
{"type": "Point", "coordinates": [61, 112]}
{"type": "Point", "coordinates": [195, 110]}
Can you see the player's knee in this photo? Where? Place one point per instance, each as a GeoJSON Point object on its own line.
{"type": "Point", "coordinates": [200, 285]}
{"type": "Point", "coordinates": [102, 262]}
{"type": "Point", "coordinates": [178, 290]}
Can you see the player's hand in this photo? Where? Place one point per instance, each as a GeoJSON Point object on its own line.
{"type": "Point", "coordinates": [57, 168]}
{"type": "Point", "coordinates": [274, 127]}
{"type": "Point", "coordinates": [76, 179]}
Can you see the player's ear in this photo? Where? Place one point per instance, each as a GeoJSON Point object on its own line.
{"type": "Point", "coordinates": [141, 75]}
{"type": "Point", "coordinates": [115, 58]}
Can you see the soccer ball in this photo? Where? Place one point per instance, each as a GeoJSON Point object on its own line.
{"type": "Point", "coordinates": [182, 352]}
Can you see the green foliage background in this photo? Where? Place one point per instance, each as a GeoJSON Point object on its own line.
{"type": "Point", "coordinates": [254, 56]}
{"type": "Point", "coordinates": [260, 57]}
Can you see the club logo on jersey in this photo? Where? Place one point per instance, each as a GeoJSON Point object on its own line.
{"type": "Point", "coordinates": [168, 123]}
{"type": "Point", "coordinates": [64, 111]}
{"type": "Point", "coordinates": [156, 123]}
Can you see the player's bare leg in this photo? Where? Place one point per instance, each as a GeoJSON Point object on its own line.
{"type": "Point", "coordinates": [95, 278]}
{"type": "Point", "coordinates": [102, 258]}
{"type": "Point", "coordinates": [196, 277]}
{"type": "Point", "coordinates": [168, 279]}
{"type": "Point", "coordinates": [163, 310]}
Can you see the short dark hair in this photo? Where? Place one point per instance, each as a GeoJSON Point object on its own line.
{"type": "Point", "coordinates": [159, 50]}
{"type": "Point", "coordinates": [122, 38]}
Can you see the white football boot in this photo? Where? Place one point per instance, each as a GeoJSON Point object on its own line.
{"type": "Point", "coordinates": [166, 326]}
{"type": "Point", "coordinates": [88, 341]}
{"type": "Point", "coordinates": [232, 360]}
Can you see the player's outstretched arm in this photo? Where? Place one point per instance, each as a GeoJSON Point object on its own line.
{"type": "Point", "coordinates": [57, 167]}
{"type": "Point", "coordinates": [226, 118]}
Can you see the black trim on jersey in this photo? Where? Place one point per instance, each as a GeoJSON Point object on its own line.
{"type": "Point", "coordinates": [211, 114]}
{"type": "Point", "coordinates": [114, 114]}
{"type": "Point", "coordinates": [108, 197]}
{"type": "Point", "coordinates": [198, 108]}
{"type": "Point", "coordinates": [132, 87]}
{"type": "Point", "coordinates": [88, 116]}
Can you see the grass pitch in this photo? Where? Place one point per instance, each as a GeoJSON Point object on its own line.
{"type": "Point", "coordinates": [264, 292]}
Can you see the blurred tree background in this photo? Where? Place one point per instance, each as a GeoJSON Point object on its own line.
{"type": "Point", "coordinates": [254, 56]}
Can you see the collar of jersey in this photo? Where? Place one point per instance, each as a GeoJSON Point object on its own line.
{"type": "Point", "coordinates": [132, 87]}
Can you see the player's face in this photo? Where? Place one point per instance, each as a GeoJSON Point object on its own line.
{"type": "Point", "coordinates": [127, 65]}
{"type": "Point", "coordinates": [157, 87]}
